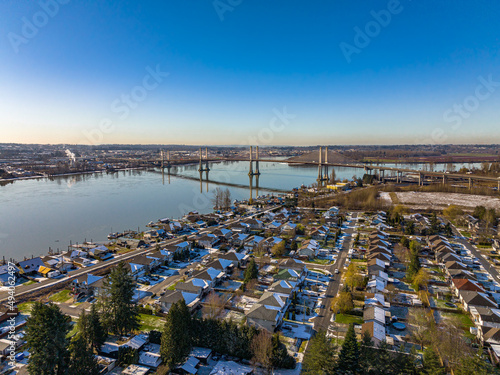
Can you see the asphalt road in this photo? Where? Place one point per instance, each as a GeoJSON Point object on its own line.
{"type": "Point", "coordinates": [484, 262]}
{"type": "Point", "coordinates": [322, 321]}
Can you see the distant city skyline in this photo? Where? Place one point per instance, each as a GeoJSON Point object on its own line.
{"type": "Point", "coordinates": [249, 72]}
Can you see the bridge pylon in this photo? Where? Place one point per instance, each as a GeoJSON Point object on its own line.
{"type": "Point", "coordinates": [201, 167]}
{"type": "Point", "coordinates": [251, 171]}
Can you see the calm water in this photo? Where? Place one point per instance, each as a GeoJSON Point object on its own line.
{"type": "Point", "coordinates": [38, 214]}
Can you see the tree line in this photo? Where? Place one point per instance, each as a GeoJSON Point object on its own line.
{"type": "Point", "coordinates": [182, 332]}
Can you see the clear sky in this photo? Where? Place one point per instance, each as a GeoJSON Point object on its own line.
{"type": "Point", "coordinates": [224, 71]}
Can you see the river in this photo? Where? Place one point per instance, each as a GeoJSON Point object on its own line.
{"type": "Point", "coordinates": [42, 213]}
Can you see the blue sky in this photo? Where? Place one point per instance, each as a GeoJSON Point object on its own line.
{"type": "Point", "coordinates": [67, 68]}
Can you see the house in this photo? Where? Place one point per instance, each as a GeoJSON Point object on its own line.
{"type": "Point", "coordinates": [254, 242]}
{"type": "Point", "coordinates": [188, 367]}
{"type": "Point", "coordinates": [264, 317]}
{"type": "Point", "coordinates": [170, 297]}
{"type": "Point", "coordinates": [239, 239]}
{"type": "Point", "coordinates": [230, 367]}
{"type": "Point", "coordinates": [476, 299]}
{"type": "Point", "coordinates": [458, 285]}
{"type": "Point", "coordinates": [288, 229]}
{"type": "Point", "coordinates": [101, 253]}
{"type": "Point", "coordinates": [306, 252]}
{"type": "Point", "coordinates": [485, 317]}
{"type": "Point", "coordinates": [136, 370]}
{"type": "Point", "coordinates": [221, 264]}
{"type": "Point", "coordinates": [8, 271]}
{"type": "Point", "coordinates": [374, 313]}
{"type": "Point", "coordinates": [202, 354]}
{"type": "Point", "coordinates": [254, 224]}
{"type": "Point", "coordinates": [376, 331]}
{"type": "Point", "coordinates": [268, 312]}
{"type": "Point", "coordinates": [207, 240]}
{"type": "Point", "coordinates": [283, 287]}
{"type": "Point", "coordinates": [30, 266]}
{"type": "Point", "coordinates": [81, 262]}
{"type": "Point", "coordinates": [88, 284]}
{"type": "Point", "coordinates": [141, 265]}
{"type": "Point", "coordinates": [199, 287]}
{"type": "Point", "coordinates": [234, 257]}
{"type": "Point", "coordinates": [211, 275]}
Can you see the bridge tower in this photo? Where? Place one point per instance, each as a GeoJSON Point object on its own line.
{"type": "Point", "coordinates": [320, 166]}
{"type": "Point", "coordinates": [325, 167]}
{"type": "Point", "coordinates": [251, 171]}
{"type": "Point", "coordinates": [201, 168]}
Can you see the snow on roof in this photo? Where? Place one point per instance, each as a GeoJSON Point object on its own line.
{"type": "Point", "coordinates": [190, 365]}
{"type": "Point", "coordinates": [200, 352]}
{"type": "Point", "coordinates": [230, 367]}
{"type": "Point", "coordinates": [149, 359]}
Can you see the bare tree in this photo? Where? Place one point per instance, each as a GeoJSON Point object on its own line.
{"type": "Point", "coordinates": [262, 348]}
{"type": "Point", "coordinates": [422, 326]}
{"type": "Point", "coordinates": [217, 198]}
{"type": "Point", "coordinates": [214, 306]}
{"type": "Point", "coordinates": [226, 199]}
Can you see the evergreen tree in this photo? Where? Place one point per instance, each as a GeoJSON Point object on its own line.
{"type": "Point", "coordinates": [432, 365]}
{"type": "Point", "coordinates": [82, 359]}
{"type": "Point", "coordinates": [91, 329]}
{"type": "Point", "coordinates": [46, 332]}
{"type": "Point", "coordinates": [348, 361]}
{"type": "Point", "coordinates": [127, 356]}
{"type": "Point", "coordinates": [176, 340]}
{"type": "Point", "coordinates": [366, 354]}
{"type": "Point", "coordinates": [475, 365]}
{"type": "Point", "coordinates": [119, 313]}
{"type": "Point", "coordinates": [319, 358]}
{"type": "Point", "coordinates": [251, 271]}
{"type": "Point", "coordinates": [279, 355]}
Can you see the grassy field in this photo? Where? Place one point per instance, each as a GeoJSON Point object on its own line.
{"type": "Point", "coordinates": [25, 307]}
{"type": "Point", "coordinates": [151, 322]}
{"type": "Point", "coordinates": [61, 296]}
{"type": "Point", "coordinates": [348, 319]}
{"type": "Point", "coordinates": [29, 282]}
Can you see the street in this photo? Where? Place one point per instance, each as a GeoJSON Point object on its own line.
{"type": "Point", "coordinates": [322, 321]}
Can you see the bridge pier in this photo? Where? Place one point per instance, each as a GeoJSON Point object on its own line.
{"type": "Point", "coordinates": [444, 179]}
{"type": "Point", "coordinates": [421, 178]}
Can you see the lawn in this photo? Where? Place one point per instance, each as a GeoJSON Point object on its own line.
{"type": "Point", "coordinates": [29, 282]}
{"type": "Point", "coordinates": [73, 331]}
{"type": "Point", "coordinates": [441, 304]}
{"type": "Point", "coordinates": [150, 322]}
{"type": "Point", "coordinates": [348, 319]}
{"type": "Point", "coordinates": [61, 296]}
{"type": "Point", "coordinates": [172, 287]}
{"type": "Point", "coordinates": [25, 307]}
{"type": "Point", "coordinates": [320, 261]}
{"type": "Point", "coordinates": [464, 318]}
